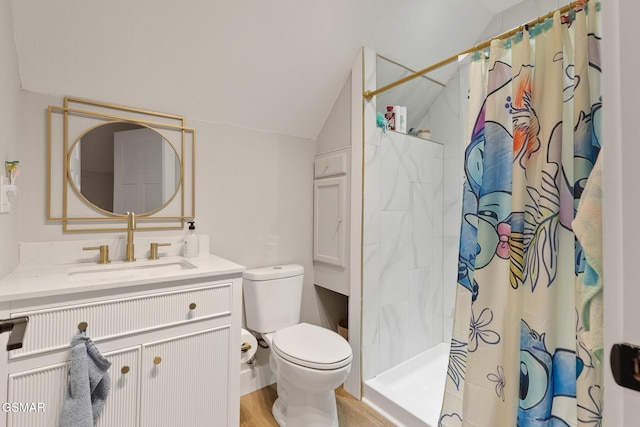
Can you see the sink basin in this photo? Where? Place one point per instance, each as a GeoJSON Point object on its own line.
{"type": "Point", "coordinates": [130, 270]}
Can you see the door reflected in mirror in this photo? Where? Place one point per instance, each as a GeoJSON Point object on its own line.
{"type": "Point", "coordinates": [122, 167]}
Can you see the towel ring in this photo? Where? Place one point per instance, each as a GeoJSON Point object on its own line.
{"type": "Point", "coordinates": [82, 326]}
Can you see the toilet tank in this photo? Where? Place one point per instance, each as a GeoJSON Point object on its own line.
{"type": "Point", "coordinates": [272, 297]}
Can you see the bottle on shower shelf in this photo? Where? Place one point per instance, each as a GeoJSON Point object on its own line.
{"type": "Point", "coordinates": [401, 118]}
{"type": "Point", "coordinates": [390, 117]}
{"type": "Point", "coordinates": [404, 121]}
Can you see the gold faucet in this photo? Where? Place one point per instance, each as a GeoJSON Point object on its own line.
{"type": "Point", "coordinates": [131, 225]}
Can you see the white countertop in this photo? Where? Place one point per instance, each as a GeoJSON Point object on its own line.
{"type": "Point", "coordinates": [36, 281]}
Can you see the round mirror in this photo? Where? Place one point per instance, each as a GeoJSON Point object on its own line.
{"type": "Point", "coordinates": [122, 167]}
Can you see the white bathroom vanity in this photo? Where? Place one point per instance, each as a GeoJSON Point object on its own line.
{"type": "Point", "coordinates": [170, 327]}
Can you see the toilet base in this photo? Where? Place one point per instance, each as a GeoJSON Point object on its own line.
{"type": "Point", "coordinates": [278, 412]}
{"type": "Point", "coordinates": [305, 409]}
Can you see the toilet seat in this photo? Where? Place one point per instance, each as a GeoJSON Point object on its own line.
{"type": "Point", "coordinates": [312, 346]}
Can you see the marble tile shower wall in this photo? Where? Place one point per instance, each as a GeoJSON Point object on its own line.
{"type": "Point", "coordinates": [402, 249]}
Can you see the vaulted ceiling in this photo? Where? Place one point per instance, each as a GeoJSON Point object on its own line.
{"type": "Point", "coordinates": [276, 66]}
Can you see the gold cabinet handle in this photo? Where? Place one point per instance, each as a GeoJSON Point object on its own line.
{"type": "Point", "coordinates": [245, 347]}
{"type": "Point", "coordinates": [192, 306]}
{"type": "Point", "coordinates": [82, 326]}
{"type": "Point", "coordinates": [125, 370]}
{"type": "Point", "coordinates": [157, 360]}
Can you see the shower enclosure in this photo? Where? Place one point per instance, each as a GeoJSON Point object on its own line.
{"type": "Point", "coordinates": [411, 221]}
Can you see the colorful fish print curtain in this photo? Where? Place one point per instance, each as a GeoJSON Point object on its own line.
{"type": "Point", "coordinates": [516, 355]}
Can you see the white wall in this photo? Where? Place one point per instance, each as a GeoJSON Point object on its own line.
{"type": "Point", "coordinates": [336, 131]}
{"type": "Point", "coordinates": [9, 136]}
{"type": "Point", "coordinates": [255, 200]}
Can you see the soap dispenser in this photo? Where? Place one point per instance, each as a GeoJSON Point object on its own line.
{"type": "Point", "coordinates": [191, 243]}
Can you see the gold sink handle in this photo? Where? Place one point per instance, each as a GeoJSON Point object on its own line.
{"type": "Point", "coordinates": [153, 250]}
{"type": "Point", "coordinates": [104, 253]}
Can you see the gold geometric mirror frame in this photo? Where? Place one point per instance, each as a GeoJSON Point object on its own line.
{"type": "Point", "coordinates": [78, 127]}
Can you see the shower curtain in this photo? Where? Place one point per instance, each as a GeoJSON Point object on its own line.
{"type": "Point", "coordinates": [517, 354]}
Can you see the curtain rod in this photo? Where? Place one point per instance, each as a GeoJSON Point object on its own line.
{"type": "Point", "coordinates": [368, 94]}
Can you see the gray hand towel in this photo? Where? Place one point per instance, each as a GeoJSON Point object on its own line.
{"type": "Point", "coordinates": [89, 384]}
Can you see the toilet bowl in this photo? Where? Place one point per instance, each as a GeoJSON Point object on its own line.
{"type": "Point", "coordinates": [309, 361]}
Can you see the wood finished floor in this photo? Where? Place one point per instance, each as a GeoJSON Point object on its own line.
{"type": "Point", "coordinates": [255, 410]}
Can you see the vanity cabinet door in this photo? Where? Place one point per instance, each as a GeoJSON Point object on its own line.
{"type": "Point", "coordinates": [41, 391]}
{"type": "Point", "coordinates": [185, 380]}
{"type": "Point", "coordinates": [121, 407]}
{"type": "Point", "coordinates": [44, 387]}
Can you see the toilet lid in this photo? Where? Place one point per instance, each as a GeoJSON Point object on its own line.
{"type": "Point", "coordinates": [312, 346]}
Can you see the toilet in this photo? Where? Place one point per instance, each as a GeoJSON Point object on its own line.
{"type": "Point", "coordinates": [309, 361]}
